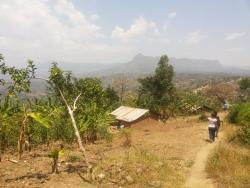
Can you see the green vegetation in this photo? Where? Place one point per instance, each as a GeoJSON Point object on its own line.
{"type": "Point", "coordinates": [244, 85]}
{"type": "Point", "coordinates": [189, 103]}
{"type": "Point", "coordinates": [77, 110]}
{"type": "Point", "coordinates": [73, 109]}
{"type": "Point", "coordinates": [229, 165]}
{"type": "Point", "coordinates": [240, 115]}
{"type": "Point", "coordinates": [157, 92]}
{"type": "Point", "coordinates": [55, 153]}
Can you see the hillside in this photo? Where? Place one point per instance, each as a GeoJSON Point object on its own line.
{"type": "Point", "coordinates": [153, 143]}
{"type": "Point", "coordinates": [141, 64]}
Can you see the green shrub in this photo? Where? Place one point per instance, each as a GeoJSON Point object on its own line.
{"type": "Point", "coordinates": [240, 114]}
{"type": "Point", "coordinates": [232, 116]}
{"type": "Point", "coordinates": [244, 116]}
{"type": "Point", "coordinates": [244, 135]}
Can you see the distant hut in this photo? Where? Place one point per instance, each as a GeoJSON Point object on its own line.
{"type": "Point", "coordinates": [127, 116]}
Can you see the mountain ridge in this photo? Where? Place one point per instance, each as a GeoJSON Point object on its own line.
{"type": "Point", "coordinates": [141, 64]}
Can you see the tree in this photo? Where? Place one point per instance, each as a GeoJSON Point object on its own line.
{"type": "Point", "coordinates": [112, 96]}
{"type": "Point", "coordinates": [81, 102]}
{"type": "Point", "coordinates": [244, 85]}
{"type": "Point", "coordinates": [156, 92]}
{"type": "Point", "coordinates": [91, 118]}
{"type": "Point", "coordinates": [61, 83]}
{"type": "Point", "coordinates": [93, 114]}
{"type": "Point", "coordinates": [21, 79]}
{"type": "Point", "coordinates": [10, 117]}
{"type": "Point", "coordinates": [221, 92]}
{"type": "Point", "coordinates": [121, 83]}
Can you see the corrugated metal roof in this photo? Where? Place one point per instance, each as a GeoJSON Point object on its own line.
{"type": "Point", "coordinates": [128, 114]}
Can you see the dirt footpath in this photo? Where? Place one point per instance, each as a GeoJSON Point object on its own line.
{"type": "Point", "coordinates": [185, 140]}
{"type": "Point", "coordinates": [197, 176]}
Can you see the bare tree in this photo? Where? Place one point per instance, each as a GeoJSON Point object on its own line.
{"type": "Point", "coordinates": [121, 84]}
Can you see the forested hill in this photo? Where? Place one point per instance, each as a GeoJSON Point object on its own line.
{"type": "Point", "coordinates": [141, 64]}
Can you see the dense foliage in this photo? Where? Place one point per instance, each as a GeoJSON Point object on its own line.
{"type": "Point", "coordinates": [244, 85]}
{"type": "Point", "coordinates": [240, 115]}
{"type": "Point", "coordinates": [83, 102]}
{"type": "Point", "coordinates": [189, 102]}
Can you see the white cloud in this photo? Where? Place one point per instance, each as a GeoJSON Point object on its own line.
{"type": "Point", "coordinates": [141, 29]}
{"type": "Point", "coordinates": [172, 14]}
{"type": "Point", "coordinates": [235, 49]}
{"type": "Point", "coordinates": [94, 17]}
{"type": "Point", "coordinates": [231, 36]}
{"type": "Point", "coordinates": [195, 37]}
{"type": "Point", "coordinates": [47, 29]}
{"type": "Point", "coordinates": [4, 6]}
{"type": "Point", "coordinates": [37, 19]}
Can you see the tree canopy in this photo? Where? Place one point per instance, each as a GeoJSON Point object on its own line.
{"type": "Point", "coordinates": [156, 92]}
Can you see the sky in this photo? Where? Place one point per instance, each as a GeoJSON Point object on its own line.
{"type": "Point", "coordinates": [113, 31]}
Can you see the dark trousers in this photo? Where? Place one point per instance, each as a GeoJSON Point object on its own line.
{"type": "Point", "coordinates": [211, 131]}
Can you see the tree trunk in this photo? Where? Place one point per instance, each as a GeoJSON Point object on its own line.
{"type": "Point", "coordinates": [79, 140]}
{"type": "Point", "coordinates": [21, 138]}
{"type": "Point", "coordinates": [71, 113]}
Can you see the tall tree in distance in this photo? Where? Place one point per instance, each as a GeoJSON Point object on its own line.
{"type": "Point", "coordinates": [112, 96]}
{"type": "Point", "coordinates": [157, 92]}
{"type": "Point", "coordinates": [121, 83]}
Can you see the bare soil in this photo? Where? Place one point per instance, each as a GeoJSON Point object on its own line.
{"type": "Point", "coordinates": [181, 140]}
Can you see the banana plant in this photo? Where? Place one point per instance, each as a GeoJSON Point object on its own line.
{"type": "Point", "coordinates": [94, 123]}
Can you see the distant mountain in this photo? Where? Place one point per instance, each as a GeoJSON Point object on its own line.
{"type": "Point", "coordinates": [76, 68]}
{"type": "Point", "coordinates": [141, 64]}
{"type": "Point", "coordinates": [138, 66]}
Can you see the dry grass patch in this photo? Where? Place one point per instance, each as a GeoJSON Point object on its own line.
{"type": "Point", "coordinates": [138, 168]}
{"type": "Point", "coordinates": [229, 165]}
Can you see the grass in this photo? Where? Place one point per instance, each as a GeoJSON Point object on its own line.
{"type": "Point", "coordinates": [145, 168]}
{"type": "Point", "coordinates": [229, 164]}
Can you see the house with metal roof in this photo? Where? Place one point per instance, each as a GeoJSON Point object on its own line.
{"type": "Point", "coordinates": [127, 115]}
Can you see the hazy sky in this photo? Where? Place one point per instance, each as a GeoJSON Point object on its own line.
{"type": "Point", "coordinates": [116, 30]}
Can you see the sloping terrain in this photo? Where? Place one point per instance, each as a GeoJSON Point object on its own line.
{"type": "Point", "coordinates": [178, 142]}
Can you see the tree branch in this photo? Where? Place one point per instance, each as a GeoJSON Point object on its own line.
{"type": "Point", "coordinates": [65, 101]}
{"type": "Point", "coordinates": [74, 106]}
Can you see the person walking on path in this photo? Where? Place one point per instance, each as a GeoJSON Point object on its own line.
{"type": "Point", "coordinates": [218, 123]}
{"type": "Point", "coordinates": [212, 121]}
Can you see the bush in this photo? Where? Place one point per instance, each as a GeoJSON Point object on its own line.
{"type": "Point", "coordinates": [240, 114]}
{"type": "Point", "coordinates": [244, 135]}
{"type": "Point", "coordinates": [232, 116]}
